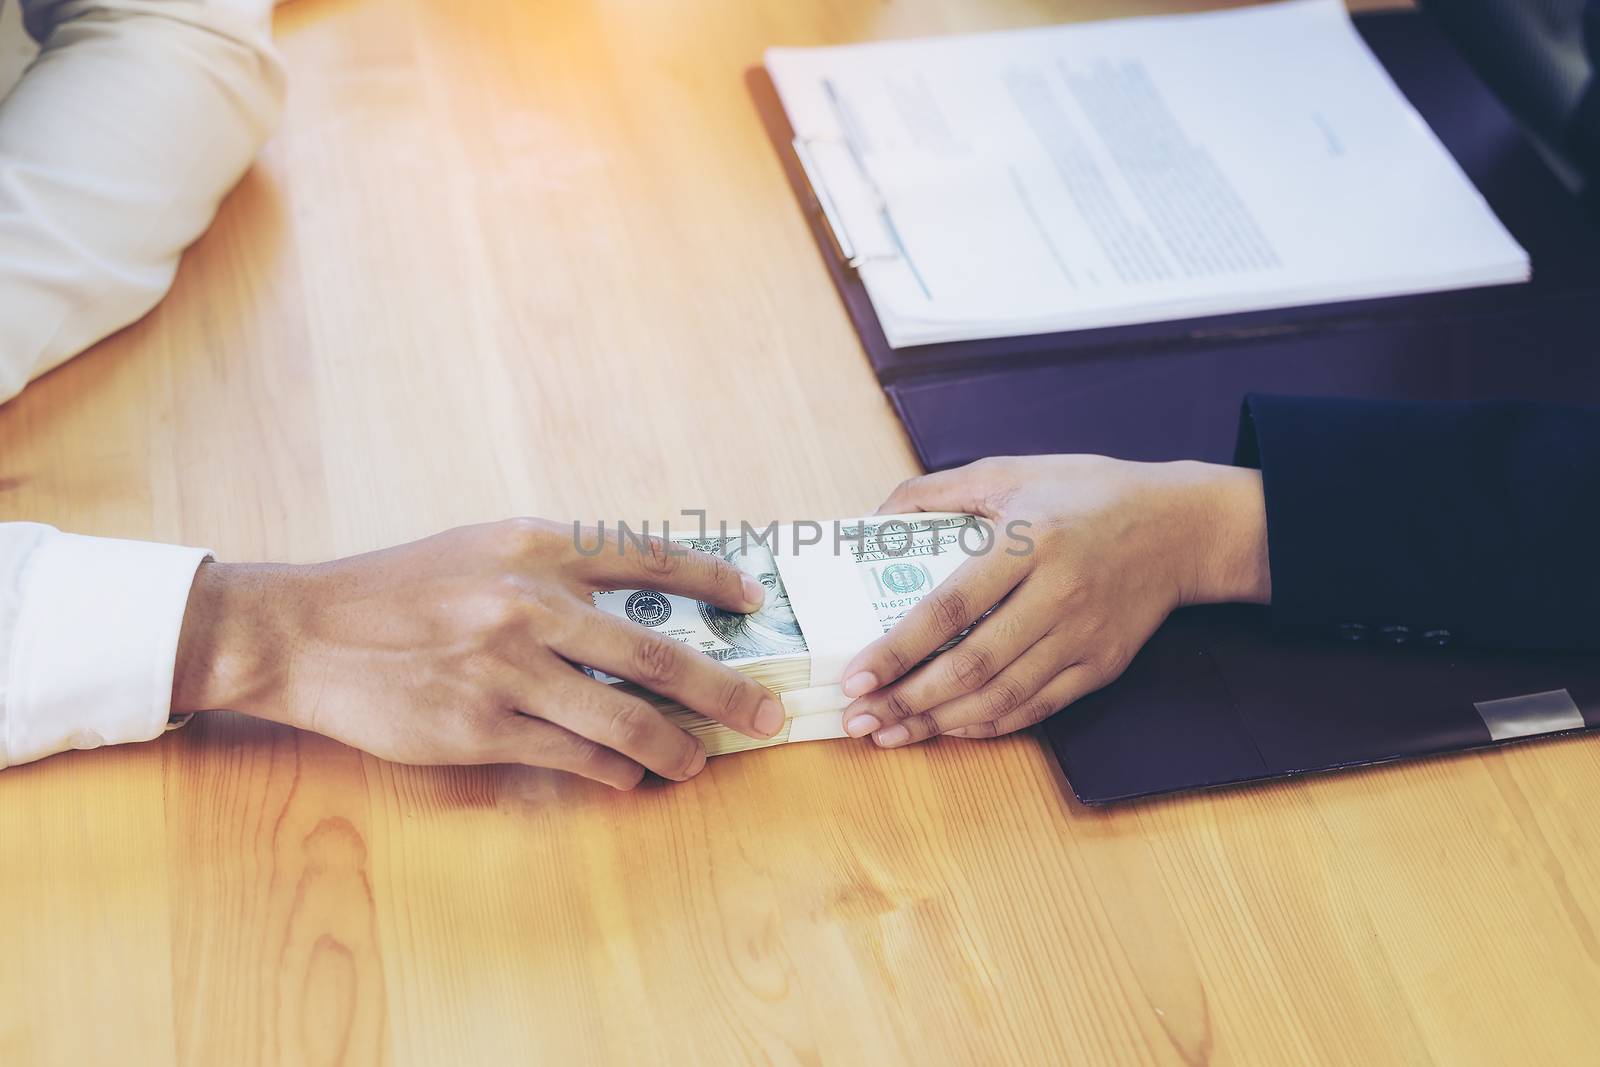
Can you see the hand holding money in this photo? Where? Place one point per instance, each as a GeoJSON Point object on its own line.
{"type": "Point", "coordinates": [460, 649]}
{"type": "Point", "coordinates": [1117, 546]}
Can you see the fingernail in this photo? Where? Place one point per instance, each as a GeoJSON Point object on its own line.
{"type": "Point", "coordinates": [769, 718]}
{"type": "Point", "coordinates": [698, 765]}
{"type": "Point", "coordinates": [860, 682]}
{"type": "Point", "coordinates": [755, 594]}
{"type": "Point", "coordinates": [892, 735]}
{"type": "Point", "coordinates": [861, 725]}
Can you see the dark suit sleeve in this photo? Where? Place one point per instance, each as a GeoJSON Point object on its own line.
{"type": "Point", "coordinates": [1479, 523]}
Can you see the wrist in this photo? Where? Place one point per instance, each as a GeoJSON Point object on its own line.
{"type": "Point", "coordinates": [230, 642]}
{"type": "Point", "coordinates": [1227, 527]}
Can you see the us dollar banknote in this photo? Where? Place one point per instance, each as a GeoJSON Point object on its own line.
{"type": "Point", "coordinates": [771, 631]}
{"type": "Point", "coordinates": [900, 561]}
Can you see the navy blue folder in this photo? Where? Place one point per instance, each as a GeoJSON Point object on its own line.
{"type": "Point", "coordinates": [1217, 696]}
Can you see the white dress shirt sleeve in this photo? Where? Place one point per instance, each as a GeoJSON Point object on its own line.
{"type": "Point", "coordinates": [116, 146]}
{"type": "Point", "coordinates": [88, 638]}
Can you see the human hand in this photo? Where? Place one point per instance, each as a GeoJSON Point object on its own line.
{"type": "Point", "coordinates": [462, 648]}
{"type": "Point", "coordinates": [1115, 547]}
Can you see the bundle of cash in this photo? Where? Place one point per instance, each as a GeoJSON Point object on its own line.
{"type": "Point", "coordinates": [832, 588]}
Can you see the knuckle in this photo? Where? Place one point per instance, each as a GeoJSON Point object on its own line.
{"type": "Point", "coordinates": [906, 487]}
{"type": "Point", "coordinates": [510, 585]}
{"type": "Point", "coordinates": [897, 706]}
{"type": "Point", "coordinates": [1036, 710]}
{"type": "Point", "coordinates": [971, 666]}
{"type": "Point", "coordinates": [949, 608]}
{"type": "Point", "coordinates": [515, 599]}
{"type": "Point", "coordinates": [521, 537]}
{"type": "Point", "coordinates": [991, 467]}
{"type": "Point", "coordinates": [1106, 669]}
{"type": "Point", "coordinates": [549, 611]}
{"type": "Point", "coordinates": [996, 482]}
{"type": "Point", "coordinates": [500, 611]}
{"type": "Point", "coordinates": [1001, 698]}
{"type": "Point", "coordinates": [583, 754]}
{"type": "Point", "coordinates": [659, 559]}
{"type": "Point", "coordinates": [656, 662]}
{"type": "Point", "coordinates": [546, 620]}
{"type": "Point", "coordinates": [630, 726]}
{"type": "Point", "coordinates": [1099, 671]}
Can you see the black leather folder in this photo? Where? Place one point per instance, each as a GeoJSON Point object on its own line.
{"type": "Point", "coordinates": [1217, 696]}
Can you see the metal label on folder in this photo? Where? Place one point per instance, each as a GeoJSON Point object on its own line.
{"type": "Point", "coordinates": [1530, 715]}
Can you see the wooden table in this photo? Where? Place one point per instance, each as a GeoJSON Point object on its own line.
{"type": "Point", "coordinates": [539, 258]}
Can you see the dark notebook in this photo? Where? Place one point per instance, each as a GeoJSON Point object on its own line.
{"type": "Point", "coordinates": [1217, 697]}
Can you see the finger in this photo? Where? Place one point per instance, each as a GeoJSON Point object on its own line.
{"type": "Point", "coordinates": [618, 721]}
{"type": "Point", "coordinates": [1072, 685]}
{"type": "Point", "coordinates": [670, 567]}
{"type": "Point", "coordinates": [954, 604]}
{"type": "Point", "coordinates": [993, 645]}
{"type": "Point", "coordinates": [541, 744]}
{"type": "Point", "coordinates": [1006, 692]}
{"type": "Point", "coordinates": [672, 669]}
{"type": "Point", "coordinates": [952, 490]}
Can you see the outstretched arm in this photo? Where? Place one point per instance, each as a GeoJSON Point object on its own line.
{"type": "Point", "coordinates": [1367, 520]}
{"type": "Point", "coordinates": [460, 648]}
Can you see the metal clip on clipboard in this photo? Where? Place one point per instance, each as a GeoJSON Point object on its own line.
{"type": "Point", "coordinates": [845, 245]}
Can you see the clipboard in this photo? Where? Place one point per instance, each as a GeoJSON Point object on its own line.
{"type": "Point", "coordinates": [1170, 390]}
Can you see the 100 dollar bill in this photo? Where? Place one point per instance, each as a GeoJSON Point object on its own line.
{"type": "Point", "coordinates": [830, 588]}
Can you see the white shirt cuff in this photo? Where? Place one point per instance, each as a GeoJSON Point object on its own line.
{"type": "Point", "coordinates": [95, 644]}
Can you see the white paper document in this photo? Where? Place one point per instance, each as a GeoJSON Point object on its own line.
{"type": "Point", "coordinates": [1131, 171]}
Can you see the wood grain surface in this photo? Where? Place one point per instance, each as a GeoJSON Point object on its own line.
{"type": "Point", "coordinates": [537, 257]}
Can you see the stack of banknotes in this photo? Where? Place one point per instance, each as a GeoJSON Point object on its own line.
{"type": "Point", "coordinates": [831, 589]}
